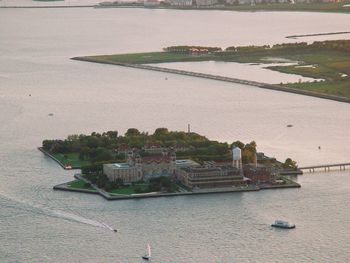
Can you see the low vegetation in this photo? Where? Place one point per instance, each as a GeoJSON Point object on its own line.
{"type": "Point", "coordinates": [97, 148]}
{"type": "Point", "coordinates": [328, 61]}
{"type": "Point", "coordinates": [80, 184]}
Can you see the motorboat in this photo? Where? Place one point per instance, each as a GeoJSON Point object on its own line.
{"type": "Point", "coordinates": [283, 224]}
{"type": "Point", "coordinates": [147, 256]}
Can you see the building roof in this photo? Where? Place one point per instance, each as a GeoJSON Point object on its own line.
{"type": "Point", "coordinates": [156, 159]}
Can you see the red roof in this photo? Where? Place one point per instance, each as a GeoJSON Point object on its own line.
{"type": "Point", "coordinates": [156, 159]}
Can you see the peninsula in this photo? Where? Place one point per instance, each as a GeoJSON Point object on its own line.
{"type": "Point", "coordinates": [165, 163]}
{"type": "Point", "coordinates": [328, 61]}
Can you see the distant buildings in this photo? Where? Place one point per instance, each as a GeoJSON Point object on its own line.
{"type": "Point", "coordinates": [180, 3]}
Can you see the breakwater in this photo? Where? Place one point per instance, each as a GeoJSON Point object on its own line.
{"type": "Point", "coordinates": [216, 77]}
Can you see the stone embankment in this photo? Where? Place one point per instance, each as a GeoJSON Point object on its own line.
{"type": "Point", "coordinates": [216, 77]}
{"type": "Point", "coordinates": [110, 197]}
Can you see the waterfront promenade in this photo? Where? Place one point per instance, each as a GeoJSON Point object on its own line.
{"type": "Point", "coordinates": [216, 77]}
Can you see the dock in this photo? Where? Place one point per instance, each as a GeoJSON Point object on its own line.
{"type": "Point", "coordinates": [325, 167]}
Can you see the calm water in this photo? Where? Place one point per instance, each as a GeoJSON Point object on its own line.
{"type": "Point", "coordinates": [39, 225]}
{"type": "Point", "coordinates": [255, 72]}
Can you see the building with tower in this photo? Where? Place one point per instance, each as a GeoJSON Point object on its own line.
{"type": "Point", "coordinates": [237, 159]}
{"type": "Point", "coordinates": [212, 175]}
{"type": "Point", "coordinates": [140, 167]}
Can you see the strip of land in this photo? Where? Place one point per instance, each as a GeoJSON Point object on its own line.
{"type": "Point", "coordinates": [327, 60]}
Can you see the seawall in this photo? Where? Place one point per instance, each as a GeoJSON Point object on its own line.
{"type": "Point", "coordinates": [109, 197]}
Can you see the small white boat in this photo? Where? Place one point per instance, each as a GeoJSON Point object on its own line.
{"type": "Point", "coordinates": [148, 256]}
{"type": "Point", "coordinates": [283, 224]}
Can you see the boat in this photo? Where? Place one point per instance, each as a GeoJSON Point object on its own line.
{"type": "Point", "coordinates": [283, 224]}
{"type": "Point", "coordinates": [148, 256]}
{"type": "Point", "coordinates": [289, 125]}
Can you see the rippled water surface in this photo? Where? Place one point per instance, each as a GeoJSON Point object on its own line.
{"type": "Point", "coordinates": [37, 78]}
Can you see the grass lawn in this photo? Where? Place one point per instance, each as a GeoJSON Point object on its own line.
{"type": "Point", "coordinates": [150, 57]}
{"type": "Point", "coordinates": [71, 159]}
{"type": "Point", "coordinates": [79, 184]}
{"type": "Point", "coordinates": [128, 190]}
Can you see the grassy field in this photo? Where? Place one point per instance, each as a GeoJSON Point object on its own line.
{"type": "Point", "coordinates": [79, 184]}
{"type": "Point", "coordinates": [128, 190]}
{"type": "Point", "coordinates": [71, 159]}
{"type": "Point", "coordinates": [330, 65]}
{"type": "Point", "coordinates": [150, 57]}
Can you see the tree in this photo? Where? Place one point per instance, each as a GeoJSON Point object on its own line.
{"type": "Point", "coordinates": [160, 131]}
{"type": "Point", "coordinates": [238, 144]}
{"type": "Point", "coordinates": [290, 164]}
{"type": "Point", "coordinates": [112, 134]}
{"type": "Point", "coordinates": [47, 144]}
{"type": "Point", "coordinates": [132, 132]}
{"type": "Point", "coordinates": [84, 153]}
{"type": "Point", "coordinates": [101, 154]}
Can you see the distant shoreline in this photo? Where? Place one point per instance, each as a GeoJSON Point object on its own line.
{"type": "Point", "coordinates": [276, 7]}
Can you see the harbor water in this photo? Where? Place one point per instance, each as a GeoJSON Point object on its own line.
{"type": "Point", "coordinates": [45, 95]}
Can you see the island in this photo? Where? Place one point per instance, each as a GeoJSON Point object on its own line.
{"type": "Point", "coordinates": [328, 62]}
{"type": "Point", "coordinates": [165, 163]}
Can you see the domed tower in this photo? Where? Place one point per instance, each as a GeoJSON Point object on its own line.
{"type": "Point", "coordinates": [237, 159]}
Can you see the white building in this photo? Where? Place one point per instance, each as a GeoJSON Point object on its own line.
{"type": "Point", "coordinates": [180, 3]}
{"type": "Point", "coordinates": [142, 168]}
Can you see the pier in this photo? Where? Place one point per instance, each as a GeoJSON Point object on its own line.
{"type": "Point", "coordinates": [325, 167]}
{"type": "Point", "coordinates": [217, 77]}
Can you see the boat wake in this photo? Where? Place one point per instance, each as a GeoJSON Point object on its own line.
{"type": "Point", "coordinates": [37, 209]}
{"type": "Point", "coordinates": [78, 219]}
